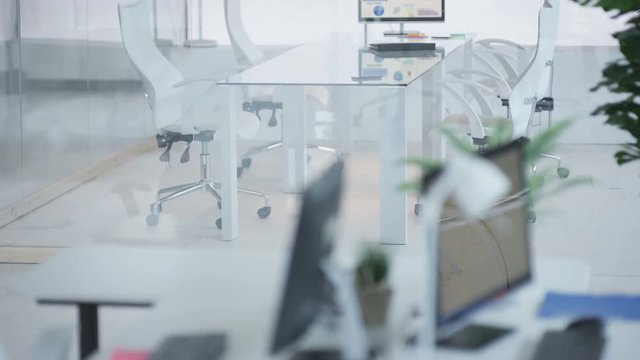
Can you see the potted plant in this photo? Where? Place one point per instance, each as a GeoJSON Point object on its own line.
{"type": "Point", "coordinates": [372, 284]}
{"type": "Point", "coordinates": [623, 76]}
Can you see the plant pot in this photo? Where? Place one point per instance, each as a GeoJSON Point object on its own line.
{"type": "Point", "coordinates": [374, 304]}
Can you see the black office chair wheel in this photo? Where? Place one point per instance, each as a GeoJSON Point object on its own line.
{"type": "Point", "coordinates": [219, 205]}
{"type": "Point", "coordinates": [273, 122]}
{"type": "Point", "coordinates": [264, 212]}
{"type": "Point", "coordinates": [531, 216]}
{"type": "Point", "coordinates": [417, 209]}
{"type": "Point", "coordinates": [152, 219]}
{"type": "Point", "coordinates": [563, 172]}
{"type": "Point", "coordinates": [219, 223]}
{"type": "Point", "coordinates": [239, 171]}
{"type": "Point", "coordinates": [246, 163]}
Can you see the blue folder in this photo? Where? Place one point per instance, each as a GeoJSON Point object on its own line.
{"type": "Point", "coordinates": [573, 305]}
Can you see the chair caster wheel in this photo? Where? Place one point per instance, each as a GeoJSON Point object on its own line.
{"type": "Point", "coordinates": [219, 205]}
{"type": "Point", "coordinates": [246, 163]}
{"type": "Point", "coordinates": [219, 223]}
{"type": "Point", "coordinates": [152, 219]}
{"type": "Point", "coordinates": [417, 209]}
{"type": "Point", "coordinates": [531, 216]}
{"type": "Point", "coordinates": [156, 208]}
{"type": "Point", "coordinates": [264, 212]}
{"type": "Point", "coordinates": [273, 122]}
{"type": "Point", "coordinates": [563, 172]}
{"type": "Point", "coordinates": [239, 171]}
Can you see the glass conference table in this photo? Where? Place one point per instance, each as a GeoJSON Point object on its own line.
{"type": "Point", "coordinates": [396, 89]}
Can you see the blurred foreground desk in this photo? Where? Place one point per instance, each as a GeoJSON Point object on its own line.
{"type": "Point", "coordinates": [399, 88]}
{"type": "Point", "coordinates": [93, 277]}
{"type": "Point", "coordinates": [247, 311]}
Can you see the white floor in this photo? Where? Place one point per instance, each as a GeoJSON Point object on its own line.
{"type": "Point", "coordinates": [596, 222]}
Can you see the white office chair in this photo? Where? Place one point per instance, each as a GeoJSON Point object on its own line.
{"type": "Point", "coordinates": [182, 111]}
{"type": "Point", "coordinates": [248, 54]}
{"type": "Point", "coordinates": [500, 69]}
{"type": "Point", "coordinates": [523, 100]}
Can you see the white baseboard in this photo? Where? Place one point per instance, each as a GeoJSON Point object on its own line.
{"type": "Point", "coordinates": [63, 186]}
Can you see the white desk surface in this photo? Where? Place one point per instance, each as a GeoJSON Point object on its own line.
{"type": "Point", "coordinates": [114, 275]}
{"type": "Point", "coordinates": [238, 293]}
{"type": "Point", "coordinates": [335, 59]}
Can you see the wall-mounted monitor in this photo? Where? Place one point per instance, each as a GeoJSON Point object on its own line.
{"type": "Point", "coordinates": [400, 10]}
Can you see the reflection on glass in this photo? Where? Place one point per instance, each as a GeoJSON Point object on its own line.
{"type": "Point", "coordinates": [9, 104]}
{"type": "Point", "coordinates": [396, 67]}
{"type": "Point", "coordinates": [483, 258]}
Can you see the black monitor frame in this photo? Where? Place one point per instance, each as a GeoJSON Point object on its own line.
{"type": "Point", "coordinates": [399, 20]}
{"type": "Point", "coordinates": [307, 290]}
{"type": "Point", "coordinates": [491, 294]}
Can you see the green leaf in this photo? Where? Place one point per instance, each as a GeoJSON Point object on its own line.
{"type": "Point", "coordinates": [456, 141]}
{"type": "Point", "coordinates": [501, 133]}
{"type": "Point", "coordinates": [623, 76]}
{"type": "Point", "coordinates": [544, 142]}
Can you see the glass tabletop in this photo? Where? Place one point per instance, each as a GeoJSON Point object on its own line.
{"type": "Point", "coordinates": [344, 60]}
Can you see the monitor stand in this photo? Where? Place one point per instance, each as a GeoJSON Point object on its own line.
{"type": "Point", "coordinates": [473, 336]}
{"type": "Point", "coordinates": [350, 341]}
{"type": "Point", "coordinates": [401, 32]}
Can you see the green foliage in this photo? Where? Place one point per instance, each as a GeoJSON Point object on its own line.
{"type": "Point", "coordinates": [623, 76]}
{"type": "Point", "coordinates": [540, 184]}
{"type": "Point", "coordinates": [373, 267]}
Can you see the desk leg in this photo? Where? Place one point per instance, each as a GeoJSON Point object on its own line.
{"type": "Point", "coordinates": [433, 114]}
{"type": "Point", "coordinates": [294, 138]}
{"type": "Point", "coordinates": [393, 150]}
{"type": "Point", "coordinates": [228, 163]}
{"type": "Point", "coordinates": [88, 325]}
{"type": "Point", "coordinates": [341, 108]}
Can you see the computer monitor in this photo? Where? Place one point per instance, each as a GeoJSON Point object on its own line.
{"type": "Point", "coordinates": [308, 291]}
{"type": "Point", "coordinates": [400, 10]}
{"type": "Point", "coordinates": [482, 259]}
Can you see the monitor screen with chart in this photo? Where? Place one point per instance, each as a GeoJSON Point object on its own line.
{"type": "Point", "coordinates": [401, 10]}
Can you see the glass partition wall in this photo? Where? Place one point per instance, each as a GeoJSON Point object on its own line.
{"type": "Point", "coordinates": [69, 96]}
{"type": "Point", "coordinates": [10, 140]}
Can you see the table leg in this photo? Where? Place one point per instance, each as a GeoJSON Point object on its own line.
{"type": "Point", "coordinates": [88, 325]}
{"type": "Point", "coordinates": [341, 108]}
{"type": "Point", "coordinates": [393, 150]}
{"type": "Point", "coordinates": [433, 113]}
{"type": "Point", "coordinates": [228, 163]}
{"type": "Point", "coordinates": [294, 138]}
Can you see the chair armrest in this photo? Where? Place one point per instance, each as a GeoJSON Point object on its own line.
{"type": "Point", "coordinates": [192, 81]}
{"type": "Point", "coordinates": [230, 71]}
{"type": "Point", "coordinates": [475, 124]}
{"type": "Point", "coordinates": [459, 73]}
{"type": "Point", "coordinates": [505, 60]}
{"type": "Point", "coordinates": [475, 91]}
{"type": "Point", "coordinates": [499, 53]}
{"type": "Point", "coordinates": [488, 43]}
{"type": "Point", "coordinates": [473, 84]}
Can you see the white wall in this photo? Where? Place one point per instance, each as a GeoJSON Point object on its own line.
{"type": "Point", "coordinates": [281, 22]}
{"type": "Point", "coordinates": [298, 21]}
{"type": "Point", "coordinates": [96, 20]}
{"type": "Point", "coordinates": [6, 21]}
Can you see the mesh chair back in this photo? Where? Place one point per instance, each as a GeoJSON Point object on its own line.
{"type": "Point", "coordinates": [246, 51]}
{"type": "Point", "coordinates": [534, 81]}
{"type": "Point", "coordinates": [157, 73]}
